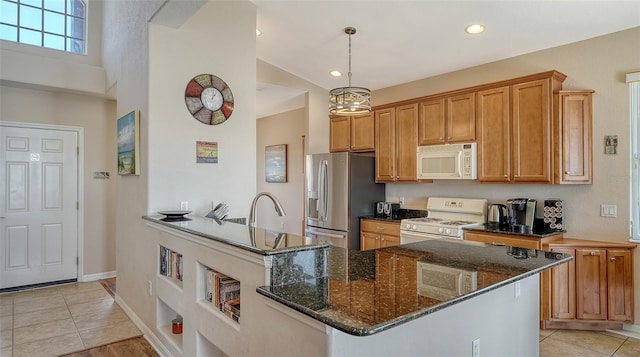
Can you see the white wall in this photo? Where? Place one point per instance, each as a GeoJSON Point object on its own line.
{"type": "Point", "coordinates": [284, 128]}
{"type": "Point", "coordinates": [203, 44]}
{"type": "Point", "coordinates": [97, 117]}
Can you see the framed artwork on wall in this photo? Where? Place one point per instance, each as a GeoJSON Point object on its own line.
{"type": "Point", "coordinates": [206, 152]}
{"type": "Point", "coordinates": [275, 165]}
{"type": "Point", "coordinates": [129, 144]}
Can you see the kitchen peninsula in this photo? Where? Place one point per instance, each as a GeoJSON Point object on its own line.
{"type": "Point", "coordinates": [304, 297]}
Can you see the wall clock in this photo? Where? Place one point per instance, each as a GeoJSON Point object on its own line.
{"type": "Point", "coordinates": [209, 99]}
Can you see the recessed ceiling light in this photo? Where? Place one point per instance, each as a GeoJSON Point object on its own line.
{"type": "Point", "coordinates": [336, 73]}
{"type": "Point", "coordinates": [258, 32]}
{"type": "Point", "coordinates": [474, 29]}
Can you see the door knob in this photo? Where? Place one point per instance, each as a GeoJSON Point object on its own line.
{"type": "Point", "coordinates": [613, 260]}
{"type": "Point", "coordinates": [593, 253]}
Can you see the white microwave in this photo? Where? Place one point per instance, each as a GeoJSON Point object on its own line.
{"type": "Point", "coordinates": [447, 162]}
{"type": "Point", "coordinates": [443, 283]}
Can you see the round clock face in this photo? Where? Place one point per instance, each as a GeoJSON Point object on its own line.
{"type": "Point", "coordinates": [209, 99]}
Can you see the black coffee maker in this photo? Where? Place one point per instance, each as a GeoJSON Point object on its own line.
{"type": "Point", "coordinates": [522, 212]}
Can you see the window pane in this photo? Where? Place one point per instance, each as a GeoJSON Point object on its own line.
{"type": "Point", "coordinates": [54, 41]}
{"type": "Point", "coordinates": [76, 8]}
{"type": "Point", "coordinates": [75, 27]}
{"type": "Point", "coordinates": [9, 33]}
{"type": "Point", "coordinates": [76, 46]}
{"type": "Point", "coordinates": [31, 37]}
{"type": "Point", "coordinates": [30, 17]}
{"type": "Point", "coordinates": [53, 22]}
{"type": "Point", "coordinates": [55, 5]}
{"type": "Point", "coordinates": [9, 13]}
{"type": "Point", "coordinates": [36, 3]}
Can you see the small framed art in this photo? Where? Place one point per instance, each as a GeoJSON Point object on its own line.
{"type": "Point", "coordinates": [206, 152]}
{"type": "Point", "coordinates": [275, 166]}
{"type": "Point", "coordinates": [129, 144]}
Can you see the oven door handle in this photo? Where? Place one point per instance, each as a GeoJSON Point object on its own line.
{"type": "Point", "coordinates": [423, 236]}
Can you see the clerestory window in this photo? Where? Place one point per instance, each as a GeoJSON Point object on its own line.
{"type": "Point", "coordinates": [57, 24]}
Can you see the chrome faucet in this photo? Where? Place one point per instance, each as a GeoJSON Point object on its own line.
{"type": "Point", "coordinates": [276, 203]}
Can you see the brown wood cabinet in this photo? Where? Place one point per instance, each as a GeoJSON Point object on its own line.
{"type": "Point", "coordinates": [377, 234]}
{"type": "Point", "coordinates": [595, 291]}
{"type": "Point", "coordinates": [396, 289]}
{"type": "Point", "coordinates": [514, 125]}
{"type": "Point", "coordinates": [351, 133]}
{"type": "Point", "coordinates": [512, 240]}
{"type": "Point", "coordinates": [572, 128]}
{"type": "Point", "coordinates": [447, 120]}
{"type": "Point", "coordinates": [396, 143]}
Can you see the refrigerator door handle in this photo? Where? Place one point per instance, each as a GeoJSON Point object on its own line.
{"type": "Point", "coordinates": [323, 183]}
{"type": "Point", "coordinates": [328, 235]}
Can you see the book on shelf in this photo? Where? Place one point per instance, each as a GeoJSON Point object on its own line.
{"type": "Point", "coordinates": [163, 260]}
{"type": "Point", "coordinates": [232, 309]}
{"type": "Point", "coordinates": [171, 263]}
{"type": "Point", "coordinates": [220, 288]}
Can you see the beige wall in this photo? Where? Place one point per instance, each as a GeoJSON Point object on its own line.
{"type": "Point", "coordinates": [284, 128]}
{"type": "Point", "coordinates": [97, 117]}
{"type": "Point", "coordinates": [599, 64]}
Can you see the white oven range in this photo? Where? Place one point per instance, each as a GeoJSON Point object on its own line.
{"type": "Point", "coordinates": [445, 219]}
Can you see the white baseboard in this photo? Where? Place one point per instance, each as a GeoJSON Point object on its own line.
{"type": "Point", "coordinates": [628, 330]}
{"type": "Point", "coordinates": [98, 276]}
{"type": "Point", "coordinates": [148, 334]}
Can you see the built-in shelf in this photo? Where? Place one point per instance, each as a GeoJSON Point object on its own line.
{"type": "Point", "coordinates": [164, 316]}
{"type": "Point", "coordinates": [170, 265]}
{"type": "Point", "coordinates": [218, 292]}
{"type": "Point", "coordinates": [204, 348]}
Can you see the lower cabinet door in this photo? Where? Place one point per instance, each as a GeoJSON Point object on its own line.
{"type": "Point", "coordinates": [591, 284]}
{"type": "Point", "coordinates": [563, 287]}
{"type": "Point", "coordinates": [619, 285]}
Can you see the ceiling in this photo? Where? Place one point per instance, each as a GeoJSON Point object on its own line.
{"type": "Point", "coordinates": [402, 41]}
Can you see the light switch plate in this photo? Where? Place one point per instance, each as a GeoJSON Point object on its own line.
{"type": "Point", "coordinates": [610, 211]}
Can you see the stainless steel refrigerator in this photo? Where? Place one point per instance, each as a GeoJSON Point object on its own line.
{"type": "Point", "coordinates": [341, 188]}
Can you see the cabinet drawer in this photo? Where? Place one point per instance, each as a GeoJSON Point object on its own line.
{"type": "Point", "coordinates": [373, 226]}
{"type": "Point", "coordinates": [513, 241]}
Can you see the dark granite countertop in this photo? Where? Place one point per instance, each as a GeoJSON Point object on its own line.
{"type": "Point", "coordinates": [537, 232]}
{"type": "Point", "coordinates": [382, 219]}
{"type": "Point", "coordinates": [347, 290]}
{"type": "Point", "coordinates": [255, 240]}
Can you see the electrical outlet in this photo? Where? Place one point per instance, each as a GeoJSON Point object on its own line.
{"type": "Point", "coordinates": [150, 287]}
{"type": "Point", "coordinates": [475, 348]}
{"type": "Point", "coordinates": [516, 289]}
{"type": "Point", "coordinates": [184, 205]}
{"type": "Point", "coordinates": [401, 200]}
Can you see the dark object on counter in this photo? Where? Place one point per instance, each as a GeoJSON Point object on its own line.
{"type": "Point", "coordinates": [386, 210]}
{"type": "Point", "coordinates": [522, 211]}
{"type": "Point", "coordinates": [176, 326]}
{"type": "Point", "coordinates": [553, 213]}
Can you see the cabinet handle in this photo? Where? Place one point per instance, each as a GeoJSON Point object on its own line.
{"type": "Point", "coordinates": [516, 175]}
{"type": "Point", "coordinates": [613, 260]}
{"type": "Point", "coordinates": [441, 138]}
{"type": "Point", "coordinates": [593, 253]}
{"type": "Point", "coordinates": [567, 173]}
{"type": "Point", "coordinates": [448, 138]}
{"type": "Point", "coordinates": [505, 176]}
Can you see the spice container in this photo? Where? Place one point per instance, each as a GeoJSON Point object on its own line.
{"type": "Point", "coordinates": [176, 325]}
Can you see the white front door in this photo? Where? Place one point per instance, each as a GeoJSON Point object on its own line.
{"type": "Point", "coordinates": [38, 206]}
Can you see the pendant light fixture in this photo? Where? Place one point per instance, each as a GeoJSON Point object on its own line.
{"type": "Point", "coordinates": [349, 100]}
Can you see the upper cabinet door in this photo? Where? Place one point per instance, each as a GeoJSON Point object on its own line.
{"type": "Point", "coordinates": [385, 134]}
{"type": "Point", "coordinates": [531, 125]}
{"type": "Point", "coordinates": [362, 132]}
{"type": "Point", "coordinates": [431, 128]}
{"type": "Point", "coordinates": [461, 118]}
{"type": "Point", "coordinates": [339, 136]}
{"type": "Point", "coordinates": [493, 135]}
{"type": "Point", "coordinates": [407, 143]}
{"type": "Point", "coordinates": [574, 120]}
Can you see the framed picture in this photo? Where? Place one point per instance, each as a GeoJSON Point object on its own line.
{"type": "Point", "coordinates": [129, 144]}
{"type": "Point", "coordinates": [206, 152]}
{"type": "Point", "coordinates": [275, 166]}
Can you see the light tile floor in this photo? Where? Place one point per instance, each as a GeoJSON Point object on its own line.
{"type": "Point", "coordinates": [570, 343]}
{"type": "Point", "coordinates": [61, 319]}
{"type": "Point", "coordinates": [64, 319]}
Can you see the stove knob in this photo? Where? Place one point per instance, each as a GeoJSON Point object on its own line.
{"type": "Point", "coordinates": [414, 227]}
{"type": "Point", "coordinates": [440, 230]}
{"type": "Point", "coordinates": [408, 226]}
{"type": "Point", "coordinates": [448, 231]}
